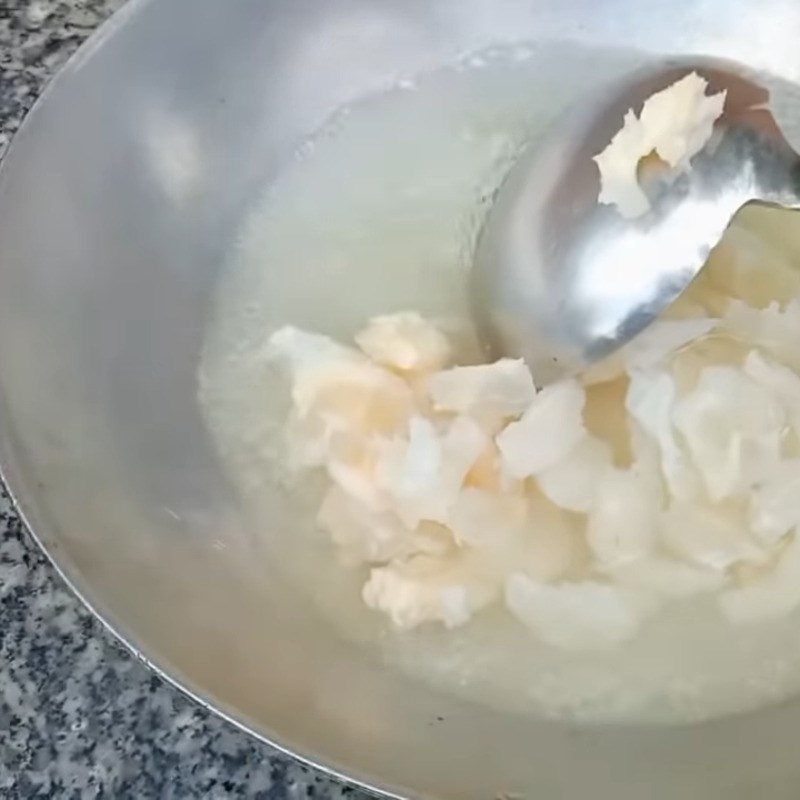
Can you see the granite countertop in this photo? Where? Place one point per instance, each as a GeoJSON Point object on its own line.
{"type": "Point", "coordinates": [79, 716]}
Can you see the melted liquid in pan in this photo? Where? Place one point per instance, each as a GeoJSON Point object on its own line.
{"type": "Point", "coordinates": [378, 213]}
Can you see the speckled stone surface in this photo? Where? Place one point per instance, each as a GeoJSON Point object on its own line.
{"type": "Point", "coordinates": [79, 717]}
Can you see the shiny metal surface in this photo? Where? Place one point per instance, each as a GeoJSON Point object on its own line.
{"type": "Point", "coordinates": [117, 201]}
{"type": "Point", "coordinates": [564, 281]}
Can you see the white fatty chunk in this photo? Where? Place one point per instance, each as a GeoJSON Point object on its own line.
{"type": "Point", "coordinates": [577, 616]}
{"type": "Point", "coordinates": [311, 360]}
{"type": "Point", "coordinates": [338, 383]}
{"type": "Point", "coordinates": [502, 389]}
{"type": "Point", "coordinates": [667, 577]}
{"type": "Point", "coordinates": [363, 536]}
{"type": "Point", "coordinates": [509, 533]}
{"type": "Point", "coordinates": [405, 341]}
{"type": "Point", "coordinates": [448, 513]}
{"type": "Point", "coordinates": [675, 123]}
{"type": "Point", "coordinates": [572, 482]}
{"type": "Point", "coordinates": [552, 546]}
{"type": "Point", "coordinates": [425, 590]}
{"type": "Point", "coordinates": [622, 522]}
{"type": "Point", "coordinates": [775, 503]}
{"type": "Point", "coordinates": [708, 538]}
{"type": "Point", "coordinates": [782, 382]}
{"type": "Point", "coordinates": [650, 401]}
{"type": "Point", "coordinates": [773, 329]}
{"type": "Point", "coordinates": [424, 473]}
{"type": "Point", "coordinates": [733, 429]}
{"type": "Point", "coordinates": [550, 428]}
{"type": "Point", "coordinates": [488, 520]}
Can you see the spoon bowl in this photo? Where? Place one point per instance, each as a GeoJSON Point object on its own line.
{"type": "Point", "coordinates": [563, 281]}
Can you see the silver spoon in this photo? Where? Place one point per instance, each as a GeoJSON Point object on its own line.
{"type": "Point", "coordinates": [563, 281]}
